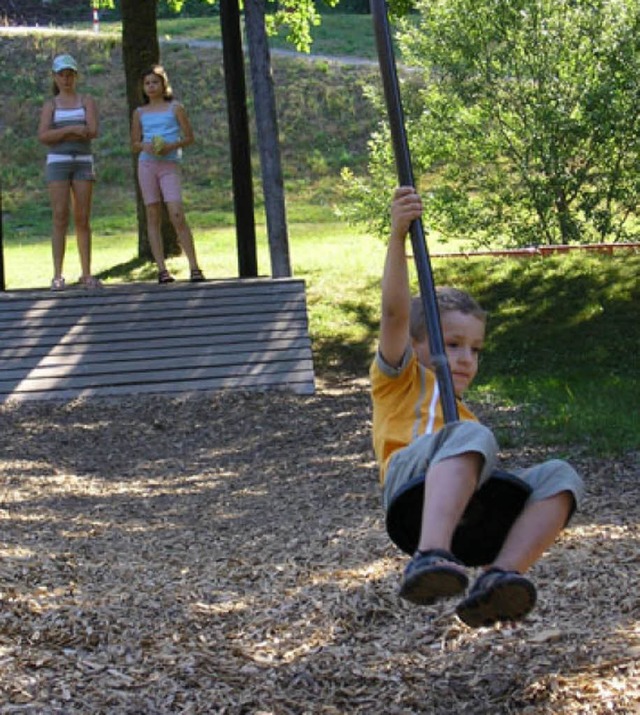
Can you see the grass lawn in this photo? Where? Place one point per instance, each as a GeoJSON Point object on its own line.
{"type": "Point", "coordinates": [337, 35]}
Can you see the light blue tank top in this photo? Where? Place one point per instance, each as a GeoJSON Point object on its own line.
{"type": "Point", "coordinates": [164, 124]}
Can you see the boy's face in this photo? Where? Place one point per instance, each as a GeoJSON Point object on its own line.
{"type": "Point", "coordinates": [463, 337]}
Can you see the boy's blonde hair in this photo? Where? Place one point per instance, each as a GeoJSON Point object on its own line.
{"type": "Point", "coordinates": [449, 299]}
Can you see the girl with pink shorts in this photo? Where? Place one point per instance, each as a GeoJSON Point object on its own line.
{"type": "Point", "coordinates": [160, 129]}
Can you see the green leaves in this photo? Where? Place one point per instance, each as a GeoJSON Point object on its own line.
{"type": "Point", "coordinates": [526, 126]}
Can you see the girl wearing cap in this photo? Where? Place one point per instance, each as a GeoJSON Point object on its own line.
{"type": "Point", "coordinates": [160, 129]}
{"type": "Point", "coordinates": [68, 123]}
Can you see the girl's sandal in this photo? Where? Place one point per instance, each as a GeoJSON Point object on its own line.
{"type": "Point", "coordinates": [165, 277]}
{"type": "Point", "coordinates": [197, 276]}
{"type": "Point", "coordinates": [90, 282]}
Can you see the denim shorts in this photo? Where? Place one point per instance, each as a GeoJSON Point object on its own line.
{"type": "Point", "coordinates": [67, 167]}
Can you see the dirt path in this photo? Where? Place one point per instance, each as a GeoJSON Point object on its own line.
{"type": "Point", "coordinates": [228, 555]}
{"type": "Point", "coordinates": [190, 42]}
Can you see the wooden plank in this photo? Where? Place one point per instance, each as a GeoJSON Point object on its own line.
{"type": "Point", "coordinates": [79, 314]}
{"type": "Point", "coordinates": [298, 383]}
{"type": "Point", "coordinates": [179, 348]}
{"type": "Point", "coordinates": [229, 286]}
{"type": "Point", "coordinates": [72, 309]}
{"type": "Point", "coordinates": [170, 328]}
{"type": "Point", "coordinates": [185, 362]}
{"type": "Point", "coordinates": [225, 293]}
{"type": "Point", "coordinates": [132, 339]}
{"type": "Point", "coordinates": [163, 376]}
{"type": "Point", "coordinates": [66, 311]}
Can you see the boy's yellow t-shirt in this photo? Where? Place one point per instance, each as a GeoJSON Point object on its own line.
{"type": "Point", "coordinates": [406, 405]}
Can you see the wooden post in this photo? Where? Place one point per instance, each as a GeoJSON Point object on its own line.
{"type": "Point", "coordinates": [233, 62]}
{"type": "Point", "coordinates": [268, 139]}
{"type": "Point", "coordinates": [2, 283]}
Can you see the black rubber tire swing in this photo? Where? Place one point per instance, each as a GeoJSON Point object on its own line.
{"type": "Point", "coordinates": [497, 504]}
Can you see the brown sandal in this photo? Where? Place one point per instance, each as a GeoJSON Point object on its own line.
{"type": "Point", "coordinates": [197, 276]}
{"type": "Point", "coordinates": [165, 277]}
{"type": "Point", "coordinates": [90, 282]}
{"type": "Point", "coordinates": [497, 595]}
{"type": "Point", "coordinates": [432, 575]}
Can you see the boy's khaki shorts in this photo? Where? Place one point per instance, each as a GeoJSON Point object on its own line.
{"type": "Point", "coordinates": [545, 479]}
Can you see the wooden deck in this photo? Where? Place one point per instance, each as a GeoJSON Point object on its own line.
{"type": "Point", "coordinates": [145, 338]}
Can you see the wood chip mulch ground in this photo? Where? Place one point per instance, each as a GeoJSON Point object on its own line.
{"type": "Point", "coordinates": [227, 554]}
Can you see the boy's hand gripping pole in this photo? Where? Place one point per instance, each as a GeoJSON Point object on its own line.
{"type": "Point", "coordinates": [405, 173]}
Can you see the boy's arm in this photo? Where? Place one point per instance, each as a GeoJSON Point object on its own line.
{"type": "Point", "coordinates": [396, 294]}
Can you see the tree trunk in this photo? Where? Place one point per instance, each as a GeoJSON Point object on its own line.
{"type": "Point", "coordinates": [268, 141]}
{"type": "Point", "coordinates": [569, 232]}
{"type": "Point", "coordinates": [140, 49]}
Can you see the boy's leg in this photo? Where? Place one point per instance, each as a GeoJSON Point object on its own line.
{"type": "Point", "coordinates": [449, 485]}
{"type": "Point", "coordinates": [433, 571]}
{"type": "Point", "coordinates": [502, 593]}
{"type": "Point", "coordinates": [533, 532]}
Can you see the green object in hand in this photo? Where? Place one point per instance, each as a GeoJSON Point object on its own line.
{"type": "Point", "coordinates": [158, 142]}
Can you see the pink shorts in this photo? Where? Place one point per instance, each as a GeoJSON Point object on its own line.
{"type": "Point", "coordinates": [159, 181]}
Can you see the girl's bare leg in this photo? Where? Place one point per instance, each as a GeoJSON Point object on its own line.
{"type": "Point", "coordinates": [59, 195]}
{"type": "Point", "coordinates": [154, 233]}
{"type": "Point", "coordinates": [82, 196]}
{"type": "Point", "coordinates": [183, 231]}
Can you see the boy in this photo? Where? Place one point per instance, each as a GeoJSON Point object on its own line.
{"type": "Point", "coordinates": [410, 440]}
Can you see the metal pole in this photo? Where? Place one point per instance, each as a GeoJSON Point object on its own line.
{"type": "Point", "coordinates": [405, 174]}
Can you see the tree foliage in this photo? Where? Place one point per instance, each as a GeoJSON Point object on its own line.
{"type": "Point", "coordinates": [524, 126]}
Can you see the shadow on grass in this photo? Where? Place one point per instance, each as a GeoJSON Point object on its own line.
{"type": "Point", "coordinates": [556, 317]}
{"type": "Point", "coordinates": [131, 271]}
{"type": "Point", "coordinates": [563, 336]}
{"type": "Point", "coordinates": [338, 354]}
